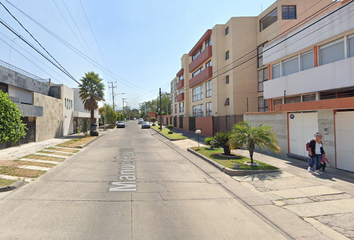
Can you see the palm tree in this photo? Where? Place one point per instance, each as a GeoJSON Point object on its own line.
{"type": "Point", "coordinates": [261, 135]}
{"type": "Point", "coordinates": [91, 91]}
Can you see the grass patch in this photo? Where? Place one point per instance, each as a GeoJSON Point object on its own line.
{"type": "Point", "coordinates": [56, 153]}
{"type": "Point", "coordinates": [63, 150]}
{"type": "Point", "coordinates": [165, 132]}
{"type": "Point", "coordinates": [45, 158]}
{"type": "Point", "coordinates": [6, 182]}
{"type": "Point", "coordinates": [19, 172]}
{"type": "Point", "coordinates": [37, 164]}
{"type": "Point", "coordinates": [230, 161]}
{"type": "Point", "coordinates": [77, 142]}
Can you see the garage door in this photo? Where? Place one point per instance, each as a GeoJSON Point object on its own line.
{"type": "Point", "coordinates": [302, 127]}
{"type": "Point", "coordinates": [344, 140]}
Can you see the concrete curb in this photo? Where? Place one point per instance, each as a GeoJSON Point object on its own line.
{"type": "Point", "coordinates": [229, 171]}
{"type": "Point", "coordinates": [166, 136]}
{"type": "Point", "coordinates": [82, 146]}
{"type": "Point", "coordinates": [13, 186]}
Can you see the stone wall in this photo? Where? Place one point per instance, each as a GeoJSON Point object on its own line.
{"type": "Point", "coordinates": [51, 124]}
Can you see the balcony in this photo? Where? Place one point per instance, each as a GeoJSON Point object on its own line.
{"type": "Point", "coordinates": [201, 77]}
{"type": "Point", "coordinates": [326, 77]}
{"type": "Point", "coordinates": [180, 84]}
{"type": "Point", "coordinates": [180, 73]}
{"type": "Point", "coordinates": [203, 56]}
{"type": "Point", "coordinates": [180, 97]}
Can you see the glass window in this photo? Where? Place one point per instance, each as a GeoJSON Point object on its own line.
{"type": "Point", "coordinates": [226, 30]}
{"type": "Point", "coordinates": [208, 88]}
{"type": "Point", "coordinates": [175, 97]}
{"type": "Point", "coordinates": [208, 42]}
{"type": "Point", "coordinates": [227, 79]}
{"type": "Point", "coordinates": [208, 109]}
{"type": "Point", "coordinates": [262, 77]}
{"type": "Point", "coordinates": [288, 12]}
{"type": "Point", "coordinates": [181, 91]}
{"type": "Point", "coordinates": [332, 52]}
{"type": "Point", "coordinates": [351, 46]}
{"type": "Point", "coordinates": [208, 64]}
{"type": "Point", "coordinates": [175, 108]}
{"type": "Point", "coordinates": [198, 110]}
{"type": "Point", "coordinates": [227, 55]}
{"type": "Point", "coordinates": [181, 107]}
{"type": "Point", "coordinates": [260, 55]}
{"type": "Point", "coordinates": [197, 72]}
{"type": "Point", "coordinates": [290, 66]}
{"type": "Point", "coordinates": [293, 99]}
{"type": "Point", "coordinates": [196, 54]}
{"type": "Point", "coordinates": [309, 97]}
{"type": "Point", "coordinates": [275, 71]}
{"type": "Point", "coordinates": [268, 20]}
{"type": "Point", "coordinates": [306, 61]}
{"type": "Point", "coordinates": [175, 84]}
{"type": "Point", "coordinates": [181, 77]}
{"type": "Point", "coordinates": [277, 101]}
{"type": "Point", "coordinates": [197, 93]}
{"type": "Point", "coordinates": [227, 102]}
{"type": "Point", "coordinates": [171, 87]}
{"type": "Point", "coordinates": [263, 105]}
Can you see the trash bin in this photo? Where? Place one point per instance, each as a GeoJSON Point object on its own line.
{"type": "Point", "coordinates": [93, 126]}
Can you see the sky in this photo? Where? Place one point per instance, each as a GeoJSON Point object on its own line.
{"type": "Point", "coordinates": [134, 44]}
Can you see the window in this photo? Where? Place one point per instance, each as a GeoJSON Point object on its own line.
{"type": "Point", "coordinates": [175, 84]}
{"type": "Point", "coordinates": [197, 93]}
{"type": "Point", "coordinates": [262, 77]}
{"type": "Point", "coordinates": [306, 61]}
{"type": "Point", "coordinates": [197, 72]}
{"type": "Point", "coordinates": [288, 12]}
{"type": "Point", "coordinates": [175, 97]}
{"type": "Point", "coordinates": [208, 64]}
{"type": "Point", "coordinates": [181, 107]}
{"type": "Point", "coordinates": [260, 55]}
{"type": "Point", "coordinates": [226, 30]}
{"type": "Point", "coordinates": [351, 46]}
{"type": "Point", "coordinates": [275, 70]}
{"type": "Point", "coordinates": [198, 110]}
{"type": "Point", "coordinates": [227, 102]}
{"type": "Point", "coordinates": [332, 52]}
{"type": "Point", "coordinates": [4, 87]}
{"type": "Point", "coordinates": [181, 77]}
{"type": "Point", "coordinates": [227, 79]}
{"type": "Point", "coordinates": [171, 87]}
{"type": "Point", "coordinates": [309, 97]}
{"type": "Point", "coordinates": [293, 99]}
{"type": "Point", "coordinates": [277, 101]}
{"type": "Point", "coordinates": [263, 105]}
{"type": "Point", "coordinates": [181, 91]}
{"type": "Point", "coordinates": [208, 88]}
{"type": "Point", "coordinates": [290, 66]}
{"type": "Point", "coordinates": [196, 54]}
{"type": "Point", "coordinates": [268, 20]}
{"type": "Point", "coordinates": [171, 98]}
{"type": "Point", "coordinates": [175, 108]}
{"type": "Point", "coordinates": [208, 109]}
{"type": "Point", "coordinates": [227, 55]}
{"type": "Point", "coordinates": [208, 42]}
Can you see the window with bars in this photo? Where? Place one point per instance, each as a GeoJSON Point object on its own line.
{"type": "Point", "coordinates": [198, 110]}
{"type": "Point", "coordinates": [208, 109]}
{"type": "Point", "coordinates": [197, 93]}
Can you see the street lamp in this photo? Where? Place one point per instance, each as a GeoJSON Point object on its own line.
{"type": "Point", "coordinates": [198, 132]}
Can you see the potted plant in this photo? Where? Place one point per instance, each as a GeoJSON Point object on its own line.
{"type": "Point", "coordinates": [170, 127]}
{"type": "Point", "coordinates": [153, 120]}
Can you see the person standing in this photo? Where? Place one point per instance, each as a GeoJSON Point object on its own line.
{"type": "Point", "coordinates": [316, 152]}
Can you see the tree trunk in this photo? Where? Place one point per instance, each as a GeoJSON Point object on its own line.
{"type": "Point", "coordinates": [226, 150]}
{"type": "Point", "coordinates": [92, 116]}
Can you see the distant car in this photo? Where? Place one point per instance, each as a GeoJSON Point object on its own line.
{"type": "Point", "coordinates": [140, 121]}
{"type": "Point", "coordinates": [145, 125]}
{"type": "Point", "coordinates": [121, 124]}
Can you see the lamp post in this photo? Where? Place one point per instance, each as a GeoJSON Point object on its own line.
{"type": "Point", "coordinates": [198, 132]}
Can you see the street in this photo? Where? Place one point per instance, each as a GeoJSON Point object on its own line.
{"type": "Point", "coordinates": [132, 184]}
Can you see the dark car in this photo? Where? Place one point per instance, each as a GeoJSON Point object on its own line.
{"type": "Point", "coordinates": [121, 124]}
{"type": "Point", "coordinates": [145, 125]}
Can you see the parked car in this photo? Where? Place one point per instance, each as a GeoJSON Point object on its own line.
{"type": "Point", "coordinates": [121, 124]}
{"type": "Point", "coordinates": [145, 125]}
{"type": "Point", "coordinates": [140, 121]}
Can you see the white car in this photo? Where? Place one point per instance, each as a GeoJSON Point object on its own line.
{"type": "Point", "coordinates": [140, 121]}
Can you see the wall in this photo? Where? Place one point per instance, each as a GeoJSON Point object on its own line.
{"type": "Point", "coordinates": [23, 96]}
{"type": "Point", "coordinates": [68, 109]}
{"type": "Point", "coordinates": [326, 121]}
{"type": "Point", "coordinates": [279, 123]}
{"type": "Point", "coordinates": [205, 124]}
{"type": "Point", "coordinates": [51, 124]}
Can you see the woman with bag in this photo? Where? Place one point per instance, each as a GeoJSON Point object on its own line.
{"type": "Point", "coordinates": [316, 152]}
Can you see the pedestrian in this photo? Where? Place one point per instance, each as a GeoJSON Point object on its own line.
{"type": "Point", "coordinates": [316, 152]}
{"type": "Point", "coordinates": [323, 163]}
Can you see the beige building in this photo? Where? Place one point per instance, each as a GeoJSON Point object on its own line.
{"type": "Point", "coordinates": [223, 74]}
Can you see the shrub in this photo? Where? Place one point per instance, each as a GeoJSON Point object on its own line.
{"type": "Point", "coordinates": [222, 140]}
{"type": "Point", "coordinates": [208, 141]}
{"type": "Point", "coordinates": [78, 130]}
{"type": "Point", "coordinates": [85, 127]}
{"type": "Point", "coordinates": [153, 120]}
{"type": "Point", "coordinates": [170, 127]}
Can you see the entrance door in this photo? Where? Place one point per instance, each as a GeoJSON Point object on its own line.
{"type": "Point", "coordinates": [302, 127]}
{"type": "Point", "coordinates": [344, 140]}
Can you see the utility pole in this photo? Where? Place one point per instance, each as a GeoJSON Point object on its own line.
{"type": "Point", "coordinates": [160, 110]}
{"type": "Point", "coordinates": [123, 99]}
{"type": "Point", "coordinates": [113, 87]}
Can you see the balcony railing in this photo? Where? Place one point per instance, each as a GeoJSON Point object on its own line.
{"type": "Point", "coordinates": [180, 84]}
{"type": "Point", "coordinates": [203, 56]}
{"type": "Point", "coordinates": [180, 97]}
{"type": "Point", "coordinates": [201, 77]}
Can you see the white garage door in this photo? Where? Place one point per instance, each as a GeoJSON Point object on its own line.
{"type": "Point", "coordinates": [302, 127]}
{"type": "Point", "coordinates": [344, 140]}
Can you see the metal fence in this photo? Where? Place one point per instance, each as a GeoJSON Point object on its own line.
{"type": "Point", "coordinates": [20, 71]}
{"type": "Point", "coordinates": [226, 123]}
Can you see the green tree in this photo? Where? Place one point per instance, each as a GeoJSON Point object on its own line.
{"type": "Point", "coordinates": [222, 140]}
{"type": "Point", "coordinates": [11, 126]}
{"type": "Point", "coordinates": [111, 116]}
{"type": "Point", "coordinates": [91, 91]}
{"type": "Point", "coordinates": [261, 136]}
{"type": "Point", "coordinates": [85, 127]}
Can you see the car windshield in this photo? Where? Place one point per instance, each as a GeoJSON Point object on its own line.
{"type": "Point", "coordinates": [146, 123]}
{"type": "Point", "coordinates": [120, 121]}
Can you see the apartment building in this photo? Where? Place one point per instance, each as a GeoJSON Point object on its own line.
{"type": "Point", "coordinates": [223, 75]}
{"type": "Point", "coordinates": [311, 86]}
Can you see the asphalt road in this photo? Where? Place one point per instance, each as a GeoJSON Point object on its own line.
{"type": "Point", "coordinates": [132, 184]}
